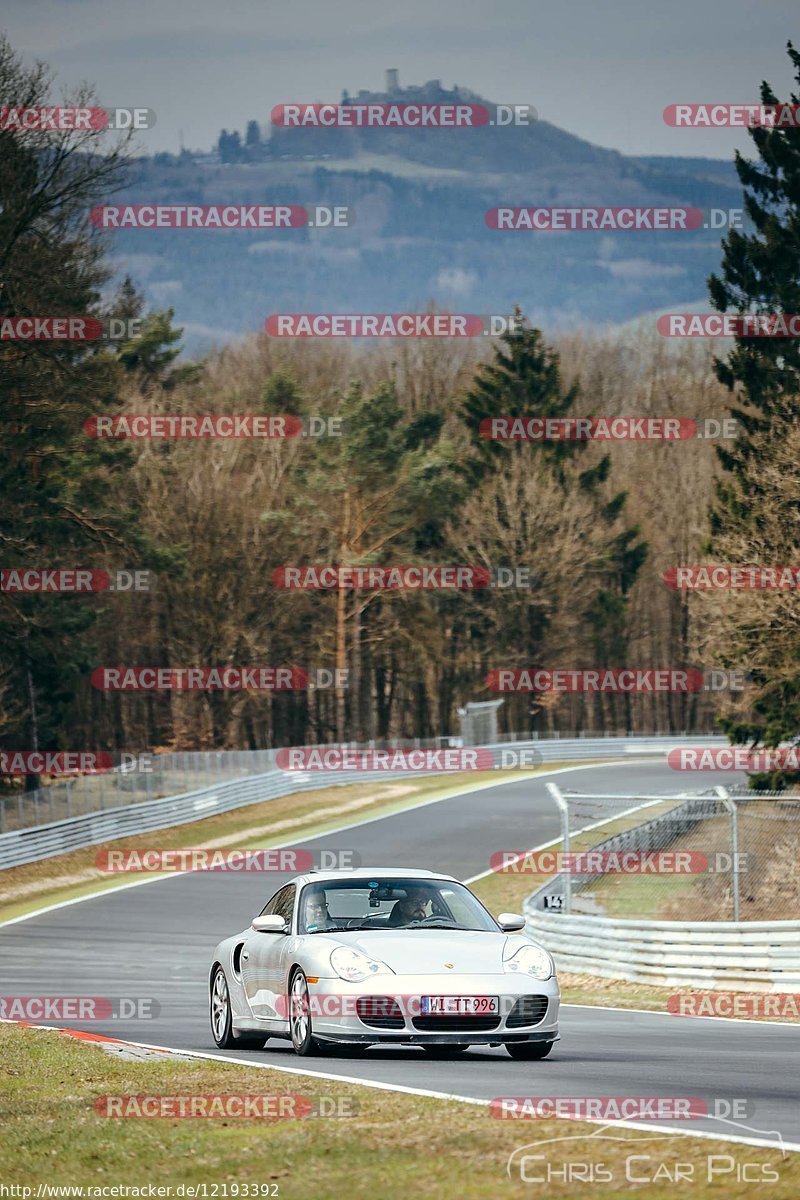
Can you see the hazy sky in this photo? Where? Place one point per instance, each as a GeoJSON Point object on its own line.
{"type": "Point", "coordinates": [602, 70]}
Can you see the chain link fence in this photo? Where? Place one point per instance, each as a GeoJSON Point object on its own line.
{"type": "Point", "coordinates": [141, 778]}
{"type": "Point", "coordinates": [716, 855]}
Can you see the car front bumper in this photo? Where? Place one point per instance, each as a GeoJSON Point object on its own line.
{"type": "Point", "coordinates": [335, 1010]}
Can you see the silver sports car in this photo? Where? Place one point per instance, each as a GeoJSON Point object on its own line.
{"type": "Point", "coordinates": [400, 957]}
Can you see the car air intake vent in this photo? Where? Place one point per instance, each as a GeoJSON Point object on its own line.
{"type": "Point", "coordinates": [444, 1023]}
{"type": "Point", "coordinates": [529, 1010]}
{"type": "Point", "coordinates": [380, 1012]}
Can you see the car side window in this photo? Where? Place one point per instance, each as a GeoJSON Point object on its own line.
{"type": "Point", "coordinates": [281, 904]}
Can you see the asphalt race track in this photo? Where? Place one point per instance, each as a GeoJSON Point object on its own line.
{"type": "Point", "coordinates": [155, 941]}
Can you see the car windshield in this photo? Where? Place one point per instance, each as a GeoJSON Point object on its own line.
{"type": "Point", "coordinates": [387, 903]}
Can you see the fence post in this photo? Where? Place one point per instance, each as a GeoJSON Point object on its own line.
{"type": "Point", "coordinates": [563, 807]}
{"type": "Point", "coordinates": [730, 805]}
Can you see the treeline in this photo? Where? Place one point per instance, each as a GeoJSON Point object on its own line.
{"type": "Point", "coordinates": [408, 481]}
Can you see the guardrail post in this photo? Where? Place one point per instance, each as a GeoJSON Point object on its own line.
{"type": "Point", "coordinates": [563, 807]}
{"type": "Point", "coordinates": [730, 805]}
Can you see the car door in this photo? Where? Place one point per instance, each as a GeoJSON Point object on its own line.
{"type": "Point", "coordinates": [263, 957]}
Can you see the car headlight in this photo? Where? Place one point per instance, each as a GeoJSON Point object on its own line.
{"type": "Point", "coordinates": [530, 960]}
{"type": "Point", "coordinates": [354, 966]}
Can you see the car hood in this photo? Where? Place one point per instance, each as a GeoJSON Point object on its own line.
{"type": "Point", "coordinates": [431, 951]}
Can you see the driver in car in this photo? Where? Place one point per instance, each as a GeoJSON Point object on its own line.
{"type": "Point", "coordinates": [317, 915]}
{"type": "Point", "coordinates": [410, 908]}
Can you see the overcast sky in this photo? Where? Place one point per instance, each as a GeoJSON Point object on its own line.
{"type": "Point", "coordinates": [602, 70]}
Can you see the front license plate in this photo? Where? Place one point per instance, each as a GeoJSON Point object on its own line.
{"type": "Point", "coordinates": [459, 1006]}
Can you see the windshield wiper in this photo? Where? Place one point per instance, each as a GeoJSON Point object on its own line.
{"type": "Point", "coordinates": [344, 929]}
{"type": "Point", "coordinates": [443, 923]}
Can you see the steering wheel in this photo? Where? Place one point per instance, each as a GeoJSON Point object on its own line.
{"type": "Point", "coordinates": [430, 920]}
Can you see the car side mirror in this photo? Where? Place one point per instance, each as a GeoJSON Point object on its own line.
{"type": "Point", "coordinates": [511, 922]}
{"type": "Point", "coordinates": [272, 924]}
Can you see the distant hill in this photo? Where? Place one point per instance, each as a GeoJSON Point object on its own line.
{"type": "Point", "coordinates": [420, 199]}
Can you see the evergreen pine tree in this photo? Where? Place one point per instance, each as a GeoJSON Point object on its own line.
{"type": "Point", "coordinates": [760, 273]}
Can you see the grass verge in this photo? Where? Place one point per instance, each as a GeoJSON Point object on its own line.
{"type": "Point", "coordinates": [394, 1145]}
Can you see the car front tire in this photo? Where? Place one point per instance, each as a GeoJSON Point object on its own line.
{"type": "Point", "coordinates": [222, 1020]}
{"type": "Point", "coordinates": [300, 1029]}
{"type": "Point", "coordinates": [529, 1050]}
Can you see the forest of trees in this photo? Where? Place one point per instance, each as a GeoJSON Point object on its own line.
{"type": "Point", "coordinates": [409, 480]}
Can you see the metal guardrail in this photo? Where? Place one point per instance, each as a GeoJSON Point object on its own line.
{"type": "Point", "coordinates": [142, 778]}
{"type": "Point", "coordinates": [758, 956]}
{"type": "Point", "coordinates": [26, 845]}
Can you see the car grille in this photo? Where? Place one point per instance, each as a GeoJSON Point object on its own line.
{"type": "Point", "coordinates": [443, 1023]}
{"type": "Point", "coordinates": [528, 1010]}
{"type": "Point", "coordinates": [380, 1012]}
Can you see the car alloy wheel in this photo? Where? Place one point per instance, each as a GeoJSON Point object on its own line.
{"type": "Point", "coordinates": [221, 1011]}
{"type": "Point", "coordinates": [222, 1021]}
{"type": "Point", "coordinates": [302, 1037]}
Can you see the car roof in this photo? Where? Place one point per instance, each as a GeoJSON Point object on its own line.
{"type": "Point", "coordinates": [360, 873]}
